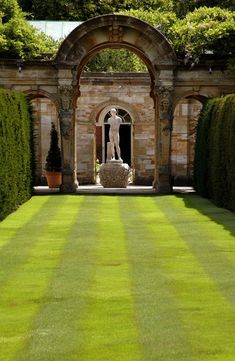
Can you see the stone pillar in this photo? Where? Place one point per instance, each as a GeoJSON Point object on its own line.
{"type": "Point", "coordinates": [164, 119]}
{"type": "Point", "coordinates": [67, 97]}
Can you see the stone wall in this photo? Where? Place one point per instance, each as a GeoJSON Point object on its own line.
{"type": "Point", "coordinates": [40, 80]}
{"type": "Point", "coordinates": [100, 93]}
{"type": "Point", "coordinates": [183, 140]}
{"type": "Point", "coordinates": [131, 93]}
{"type": "Point", "coordinates": [95, 97]}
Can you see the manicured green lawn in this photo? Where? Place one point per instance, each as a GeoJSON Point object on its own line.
{"type": "Point", "coordinates": [114, 278]}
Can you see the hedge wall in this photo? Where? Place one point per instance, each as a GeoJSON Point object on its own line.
{"type": "Point", "coordinates": [214, 163]}
{"type": "Point", "coordinates": [15, 151]}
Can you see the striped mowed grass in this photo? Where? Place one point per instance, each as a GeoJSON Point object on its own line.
{"type": "Point", "coordinates": [115, 278]}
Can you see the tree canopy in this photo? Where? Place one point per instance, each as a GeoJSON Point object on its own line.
{"type": "Point", "coordinates": [85, 9]}
{"type": "Point", "coordinates": [193, 27]}
{"type": "Point", "coordinates": [203, 30]}
{"type": "Point", "coordinates": [116, 60]}
{"type": "Point", "coordinates": [18, 39]}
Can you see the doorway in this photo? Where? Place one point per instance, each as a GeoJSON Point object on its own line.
{"type": "Point", "coordinates": [102, 137]}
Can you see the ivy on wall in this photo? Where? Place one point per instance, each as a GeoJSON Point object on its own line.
{"type": "Point", "coordinates": [214, 163]}
{"type": "Point", "coordinates": [15, 151]}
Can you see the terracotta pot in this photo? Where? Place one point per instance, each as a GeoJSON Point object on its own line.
{"type": "Point", "coordinates": [54, 179]}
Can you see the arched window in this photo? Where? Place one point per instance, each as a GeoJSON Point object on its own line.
{"type": "Point", "coordinates": [123, 114]}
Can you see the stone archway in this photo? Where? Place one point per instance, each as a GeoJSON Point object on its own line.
{"type": "Point", "coordinates": [116, 31]}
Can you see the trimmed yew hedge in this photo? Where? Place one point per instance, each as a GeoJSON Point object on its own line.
{"type": "Point", "coordinates": [15, 151]}
{"type": "Point", "coordinates": [214, 163]}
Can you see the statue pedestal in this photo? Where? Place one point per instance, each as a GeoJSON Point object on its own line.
{"type": "Point", "coordinates": [114, 174]}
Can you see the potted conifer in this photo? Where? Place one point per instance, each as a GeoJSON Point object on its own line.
{"type": "Point", "coordinates": [53, 161]}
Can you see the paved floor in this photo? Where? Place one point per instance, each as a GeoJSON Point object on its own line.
{"type": "Point", "coordinates": [98, 189]}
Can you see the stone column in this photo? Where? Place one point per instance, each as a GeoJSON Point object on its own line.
{"type": "Point", "coordinates": [164, 119]}
{"type": "Point", "coordinates": [67, 98]}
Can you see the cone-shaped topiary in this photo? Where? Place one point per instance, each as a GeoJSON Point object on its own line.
{"type": "Point", "coordinates": [53, 160]}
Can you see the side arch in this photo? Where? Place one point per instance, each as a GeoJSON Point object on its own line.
{"type": "Point", "coordinates": [44, 111]}
{"type": "Point", "coordinates": [186, 113]}
{"type": "Point", "coordinates": [200, 96]}
{"type": "Point", "coordinates": [33, 94]}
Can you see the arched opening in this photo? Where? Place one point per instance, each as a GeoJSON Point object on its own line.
{"type": "Point", "coordinates": [116, 61]}
{"type": "Point", "coordinates": [129, 93]}
{"type": "Point", "coordinates": [183, 139]}
{"type": "Point", "coordinates": [44, 113]}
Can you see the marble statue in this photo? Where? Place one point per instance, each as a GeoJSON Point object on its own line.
{"type": "Point", "coordinates": [114, 124]}
{"type": "Point", "coordinates": [114, 173]}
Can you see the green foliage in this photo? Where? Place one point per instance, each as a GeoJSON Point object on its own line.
{"type": "Point", "coordinates": [149, 5]}
{"type": "Point", "coordinates": [203, 30]}
{"type": "Point", "coordinates": [182, 7]}
{"type": "Point", "coordinates": [70, 10]}
{"type": "Point", "coordinates": [116, 60]}
{"type": "Point", "coordinates": [163, 20]}
{"type": "Point", "coordinates": [231, 64]}
{"type": "Point", "coordinates": [24, 41]}
{"type": "Point", "coordinates": [178, 7]}
{"type": "Point", "coordinates": [15, 151]}
{"type": "Point", "coordinates": [190, 26]}
{"type": "Point", "coordinates": [86, 9]}
{"type": "Point", "coordinates": [214, 164]}
{"type": "Point", "coordinates": [19, 39]}
{"type": "Point", "coordinates": [53, 160]}
{"type": "Point", "coordinates": [202, 149]}
{"type": "Point", "coordinates": [229, 150]}
{"type": "Point", "coordinates": [9, 9]}
{"type": "Point", "coordinates": [216, 169]}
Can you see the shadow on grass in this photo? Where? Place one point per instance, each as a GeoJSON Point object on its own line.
{"type": "Point", "coordinates": [221, 216]}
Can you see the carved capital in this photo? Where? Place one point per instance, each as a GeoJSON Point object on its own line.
{"type": "Point", "coordinates": [66, 122]}
{"type": "Point", "coordinates": [164, 94]}
{"type": "Point", "coordinates": [66, 95]}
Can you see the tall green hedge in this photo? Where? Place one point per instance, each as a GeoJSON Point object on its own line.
{"type": "Point", "coordinates": [15, 151]}
{"type": "Point", "coordinates": [214, 163]}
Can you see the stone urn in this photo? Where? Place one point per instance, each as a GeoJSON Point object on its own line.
{"type": "Point", "coordinates": [114, 174]}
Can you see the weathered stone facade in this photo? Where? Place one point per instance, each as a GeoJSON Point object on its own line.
{"type": "Point", "coordinates": [183, 141]}
{"type": "Point", "coordinates": [98, 94]}
{"type": "Point", "coordinates": [161, 146]}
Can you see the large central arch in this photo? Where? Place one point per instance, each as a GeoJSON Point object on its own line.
{"type": "Point", "coordinates": [116, 31]}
